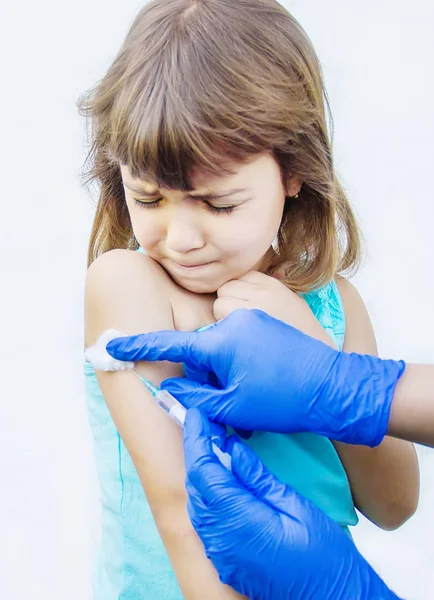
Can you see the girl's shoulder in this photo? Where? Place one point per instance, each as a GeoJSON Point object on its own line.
{"type": "Point", "coordinates": [130, 269]}
{"type": "Point", "coordinates": [190, 310]}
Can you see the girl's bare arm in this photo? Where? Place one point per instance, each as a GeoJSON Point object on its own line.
{"type": "Point", "coordinates": [128, 291]}
{"type": "Point", "coordinates": [384, 480]}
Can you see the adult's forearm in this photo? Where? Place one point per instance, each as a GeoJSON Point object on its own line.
{"type": "Point", "coordinates": [412, 413]}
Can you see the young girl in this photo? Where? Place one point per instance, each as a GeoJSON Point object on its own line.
{"type": "Point", "coordinates": [210, 144]}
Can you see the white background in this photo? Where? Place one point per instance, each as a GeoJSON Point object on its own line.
{"type": "Point", "coordinates": [377, 57]}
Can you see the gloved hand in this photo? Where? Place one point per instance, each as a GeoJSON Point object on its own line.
{"type": "Point", "coordinates": [254, 372]}
{"type": "Point", "coordinates": [265, 540]}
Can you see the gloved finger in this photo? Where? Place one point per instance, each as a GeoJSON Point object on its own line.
{"type": "Point", "coordinates": [196, 507]}
{"type": "Point", "coordinates": [204, 471]}
{"type": "Point", "coordinates": [196, 373]}
{"type": "Point", "coordinates": [175, 346]}
{"type": "Point", "coordinates": [193, 394]}
{"type": "Point", "coordinates": [199, 433]}
{"type": "Point", "coordinates": [200, 376]}
{"type": "Point", "coordinates": [258, 480]}
{"type": "Point", "coordinates": [203, 518]}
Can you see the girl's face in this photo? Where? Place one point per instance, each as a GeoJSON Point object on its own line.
{"type": "Point", "coordinates": [219, 231]}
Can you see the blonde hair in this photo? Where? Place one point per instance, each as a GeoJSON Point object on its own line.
{"type": "Point", "coordinates": [198, 83]}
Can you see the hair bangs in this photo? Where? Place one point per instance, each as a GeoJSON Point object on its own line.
{"type": "Point", "coordinates": [180, 111]}
{"type": "Point", "coordinates": [164, 133]}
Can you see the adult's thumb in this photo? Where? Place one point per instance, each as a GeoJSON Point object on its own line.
{"type": "Point", "coordinates": [193, 394]}
{"type": "Point", "coordinates": [257, 479]}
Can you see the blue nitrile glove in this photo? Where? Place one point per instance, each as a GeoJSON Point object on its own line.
{"type": "Point", "coordinates": [264, 539]}
{"type": "Point", "coordinates": [265, 375]}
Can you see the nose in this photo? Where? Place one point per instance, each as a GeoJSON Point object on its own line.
{"type": "Point", "coordinates": [183, 233]}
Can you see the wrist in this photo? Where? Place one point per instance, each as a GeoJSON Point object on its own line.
{"type": "Point", "coordinates": [358, 393]}
{"type": "Point", "coordinates": [383, 377]}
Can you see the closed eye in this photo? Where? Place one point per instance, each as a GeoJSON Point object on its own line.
{"type": "Point", "coordinates": [219, 209]}
{"type": "Point", "coordinates": [147, 203]}
{"type": "Point", "coordinates": [214, 209]}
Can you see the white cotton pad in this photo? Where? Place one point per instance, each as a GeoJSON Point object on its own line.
{"type": "Point", "coordinates": [100, 359]}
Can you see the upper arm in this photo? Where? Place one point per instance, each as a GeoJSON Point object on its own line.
{"type": "Point", "coordinates": [129, 292]}
{"type": "Point", "coordinates": [359, 333]}
{"type": "Point", "coordinates": [384, 480]}
{"type": "Point", "coordinates": [124, 291]}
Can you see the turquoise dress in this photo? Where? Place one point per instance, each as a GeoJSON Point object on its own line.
{"type": "Point", "coordinates": [131, 561]}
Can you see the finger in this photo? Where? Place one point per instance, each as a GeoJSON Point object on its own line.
{"type": "Point", "coordinates": [175, 346]}
{"type": "Point", "coordinates": [193, 394]}
{"type": "Point", "coordinates": [252, 277]}
{"type": "Point", "coordinates": [193, 453]}
{"type": "Point", "coordinates": [196, 506]}
{"type": "Point", "coordinates": [259, 481]}
{"type": "Point", "coordinates": [235, 288]}
{"type": "Point", "coordinates": [204, 471]}
{"type": "Point", "coordinates": [225, 305]}
{"type": "Point", "coordinates": [198, 434]}
{"type": "Point", "coordinates": [198, 375]}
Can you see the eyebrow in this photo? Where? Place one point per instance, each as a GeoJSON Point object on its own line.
{"type": "Point", "coordinates": [194, 195]}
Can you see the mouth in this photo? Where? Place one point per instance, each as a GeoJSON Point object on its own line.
{"type": "Point", "coordinates": [183, 268]}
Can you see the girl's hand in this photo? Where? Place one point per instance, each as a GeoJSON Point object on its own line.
{"type": "Point", "coordinates": [256, 290]}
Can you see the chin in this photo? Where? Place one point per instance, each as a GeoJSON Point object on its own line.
{"type": "Point", "coordinates": [199, 287]}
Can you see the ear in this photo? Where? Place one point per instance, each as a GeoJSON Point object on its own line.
{"type": "Point", "coordinates": [293, 185]}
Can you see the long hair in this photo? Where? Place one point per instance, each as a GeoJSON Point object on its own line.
{"type": "Point", "coordinates": [200, 83]}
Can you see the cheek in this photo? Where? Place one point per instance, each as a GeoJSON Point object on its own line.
{"type": "Point", "coordinates": [146, 228]}
{"type": "Point", "coordinates": [251, 233]}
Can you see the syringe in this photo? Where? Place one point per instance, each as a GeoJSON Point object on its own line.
{"type": "Point", "coordinates": [177, 413]}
